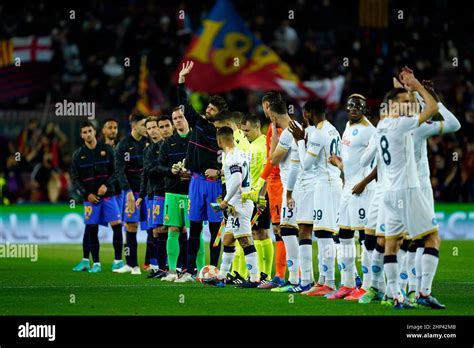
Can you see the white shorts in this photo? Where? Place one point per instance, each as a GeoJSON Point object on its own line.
{"type": "Point", "coordinates": [408, 212]}
{"type": "Point", "coordinates": [381, 218]}
{"type": "Point", "coordinates": [326, 202]}
{"type": "Point", "coordinates": [288, 215]}
{"type": "Point", "coordinates": [353, 209]}
{"type": "Point", "coordinates": [239, 225]}
{"type": "Point", "coordinates": [304, 202]}
{"type": "Point", "coordinates": [428, 193]}
{"type": "Point", "coordinates": [375, 202]}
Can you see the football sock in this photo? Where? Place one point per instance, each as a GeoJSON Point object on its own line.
{"type": "Point", "coordinates": [194, 244]}
{"type": "Point", "coordinates": [337, 246]}
{"type": "Point", "coordinates": [149, 246]}
{"type": "Point", "coordinates": [429, 264]}
{"type": "Point", "coordinates": [239, 253]}
{"type": "Point", "coordinates": [280, 256]}
{"type": "Point", "coordinates": [154, 253]}
{"type": "Point", "coordinates": [376, 267]}
{"type": "Point", "coordinates": [267, 250]}
{"type": "Point", "coordinates": [321, 271]}
{"type": "Point", "coordinates": [402, 264]}
{"type": "Point", "coordinates": [306, 260]}
{"type": "Point", "coordinates": [226, 262]}
{"type": "Point", "coordinates": [214, 251]}
{"type": "Point", "coordinates": [172, 249]}
{"type": "Point", "coordinates": [258, 246]}
{"type": "Point", "coordinates": [348, 252]}
{"type": "Point", "coordinates": [162, 257]}
{"type": "Point", "coordinates": [418, 269]}
{"type": "Point", "coordinates": [243, 271]}
{"type": "Point", "coordinates": [117, 241]}
{"type": "Point", "coordinates": [183, 250]}
{"type": "Point", "coordinates": [86, 249]}
{"type": "Point", "coordinates": [368, 249]}
{"type": "Point", "coordinates": [201, 255]}
{"type": "Point", "coordinates": [132, 245]}
{"type": "Point", "coordinates": [290, 238]}
{"type": "Point", "coordinates": [94, 242]}
{"type": "Point", "coordinates": [411, 271]}
{"type": "Point", "coordinates": [328, 259]}
{"type": "Point", "coordinates": [252, 262]}
{"type": "Point", "coordinates": [393, 276]}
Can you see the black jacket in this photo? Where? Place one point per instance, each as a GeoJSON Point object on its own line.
{"type": "Point", "coordinates": [152, 183]}
{"type": "Point", "coordinates": [129, 163]}
{"type": "Point", "coordinates": [91, 169]}
{"type": "Point", "coordinates": [172, 151]}
{"type": "Point", "coordinates": [202, 150]}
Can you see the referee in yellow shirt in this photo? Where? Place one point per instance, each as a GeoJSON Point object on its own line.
{"type": "Point", "coordinates": [251, 127]}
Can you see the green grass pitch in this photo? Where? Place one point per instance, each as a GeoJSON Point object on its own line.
{"type": "Point", "coordinates": [49, 287]}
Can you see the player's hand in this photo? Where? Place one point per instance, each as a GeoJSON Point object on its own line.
{"type": "Point", "coordinates": [185, 70]}
{"type": "Point", "coordinates": [130, 199]}
{"type": "Point", "coordinates": [408, 79]}
{"type": "Point", "coordinates": [290, 202]}
{"type": "Point", "coordinates": [102, 190]}
{"type": "Point", "coordinates": [92, 198]}
{"type": "Point", "coordinates": [296, 131]}
{"type": "Point", "coordinates": [175, 170]}
{"type": "Point", "coordinates": [139, 202]}
{"type": "Point", "coordinates": [359, 188]}
{"type": "Point", "coordinates": [185, 175]}
{"type": "Point", "coordinates": [211, 174]}
{"type": "Point", "coordinates": [428, 84]}
{"type": "Point", "coordinates": [223, 205]}
{"type": "Point", "coordinates": [335, 161]}
{"type": "Point", "coordinates": [396, 83]}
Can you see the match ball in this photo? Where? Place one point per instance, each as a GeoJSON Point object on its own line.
{"type": "Point", "coordinates": [208, 272]}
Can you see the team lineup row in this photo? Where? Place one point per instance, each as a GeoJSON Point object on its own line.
{"type": "Point", "coordinates": [302, 177]}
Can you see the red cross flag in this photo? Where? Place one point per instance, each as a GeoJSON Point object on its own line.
{"type": "Point", "coordinates": [32, 49]}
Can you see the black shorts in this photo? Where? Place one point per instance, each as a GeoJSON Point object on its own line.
{"type": "Point", "coordinates": [263, 221]}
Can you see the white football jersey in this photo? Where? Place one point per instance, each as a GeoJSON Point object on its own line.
{"type": "Point", "coordinates": [323, 142]}
{"type": "Point", "coordinates": [237, 161]}
{"type": "Point", "coordinates": [354, 141]}
{"type": "Point", "coordinates": [306, 178]}
{"type": "Point", "coordinates": [376, 161]}
{"type": "Point", "coordinates": [286, 141]}
{"type": "Point", "coordinates": [396, 151]}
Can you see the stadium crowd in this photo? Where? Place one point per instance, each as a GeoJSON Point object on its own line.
{"type": "Point", "coordinates": [89, 51]}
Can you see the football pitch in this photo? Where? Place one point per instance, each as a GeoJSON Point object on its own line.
{"type": "Point", "coordinates": [49, 287]}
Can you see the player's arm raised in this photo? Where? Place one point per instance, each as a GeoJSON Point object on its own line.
{"type": "Point", "coordinates": [431, 107]}
{"type": "Point", "coordinates": [189, 112]}
{"type": "Point", "coordinates": [450, 123]}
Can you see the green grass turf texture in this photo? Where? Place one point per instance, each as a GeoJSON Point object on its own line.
{"type": "Point", "coordinates": [47, 287]}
